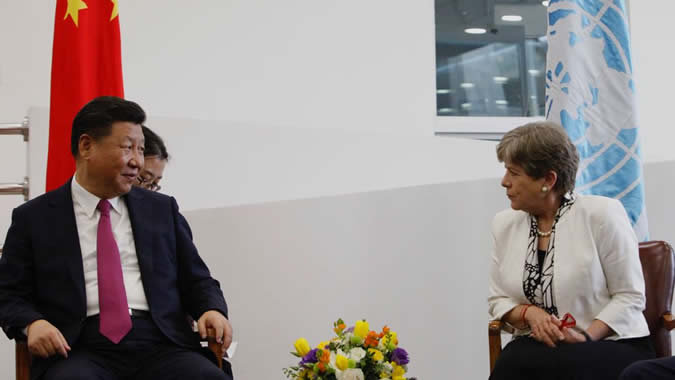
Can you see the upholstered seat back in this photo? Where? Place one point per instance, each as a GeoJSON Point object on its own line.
{"type": "Point", "coordinates": [657, 266]}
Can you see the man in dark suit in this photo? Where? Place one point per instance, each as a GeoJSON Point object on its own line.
{"type": "Point", "coordinates": [101, 276]}
{"type": "Point", "coordinates": [653, 369]}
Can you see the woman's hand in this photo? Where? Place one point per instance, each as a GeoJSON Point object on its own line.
{"type": "Point", "coordinates": [573, 336]}
{"type": "Point", "coordinates": [545, 327]}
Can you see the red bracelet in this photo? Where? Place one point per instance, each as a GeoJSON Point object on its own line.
{"type": "Point", "coordinates": [522, 313]}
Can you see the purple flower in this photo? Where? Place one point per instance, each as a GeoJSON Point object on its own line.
{"type": "Point", "coordinates": [310, 357]}
{"type": "Point", "coordinates": [400, 356]}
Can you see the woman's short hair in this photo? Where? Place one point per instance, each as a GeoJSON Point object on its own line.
{"type": "Point", "coordinates": [539, 147]}
{"type": "Point", "coordinates": [154, 145]}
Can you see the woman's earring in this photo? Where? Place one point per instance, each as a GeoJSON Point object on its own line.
{"type": "Point", "coordinates": [544, 189]}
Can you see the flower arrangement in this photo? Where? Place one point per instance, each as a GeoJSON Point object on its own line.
{"type": "Point", "coordinates": [355, 353]}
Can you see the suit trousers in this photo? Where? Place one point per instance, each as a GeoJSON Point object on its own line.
{"type": "Point", "coordinates": [143, 354]}
{"type": "Point", "coordinates": [655, 369]}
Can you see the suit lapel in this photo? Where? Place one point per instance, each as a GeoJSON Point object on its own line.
{"type": "Point", "coordinates": [66, 239]}
{"type": "Point", "coordinates": [138, 216]}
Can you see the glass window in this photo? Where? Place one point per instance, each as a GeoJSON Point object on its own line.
{"type": "Point", "coordinates": [490, 57]}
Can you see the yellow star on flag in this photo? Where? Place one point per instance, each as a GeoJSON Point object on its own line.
{"type": "Point", "coordinates": [74, 7]}
{"type": "Point", "coordinates": [115, 10]}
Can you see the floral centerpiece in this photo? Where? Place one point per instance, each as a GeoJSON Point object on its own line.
{"type": "Point", "coordinates": [355, 353]}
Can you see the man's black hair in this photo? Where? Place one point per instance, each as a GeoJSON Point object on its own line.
{"type": "Point", "coordinates": [97, 117]}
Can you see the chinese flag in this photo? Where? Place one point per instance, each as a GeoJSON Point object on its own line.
{"type": "Point", "coordinates": [86, 63]}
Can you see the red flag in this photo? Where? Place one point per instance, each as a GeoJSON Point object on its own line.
{"type": "Point", "coordinates": [86, 63]}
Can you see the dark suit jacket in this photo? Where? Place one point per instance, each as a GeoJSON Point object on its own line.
{"type": "Point", "coordinates": [41, 274]}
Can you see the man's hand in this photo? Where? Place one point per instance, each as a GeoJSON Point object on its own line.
{"type": "Point", "coordinates": [545, 327]}
{"type": "Point", "coordinates": [45, 340]}
{"type": "Point", "coordinates": [212, 323]}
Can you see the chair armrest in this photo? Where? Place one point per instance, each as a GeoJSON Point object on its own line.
{"type": "Point", "coordinates": [495, 327]}
{"type": "Point", "coordinates": [494, 341]}
{"type": "Point", "coordinates": [668, 322]}
{"type": "Point", "coordinates": [218, 349]}
{"type": "Point", "coordinates": [23, 359]}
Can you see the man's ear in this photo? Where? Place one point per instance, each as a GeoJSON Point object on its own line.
{"type": "Point", "coordinates": [85, 145]}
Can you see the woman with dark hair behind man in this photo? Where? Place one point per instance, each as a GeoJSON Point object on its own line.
{"type": "Point", "coordinates": [156, 157]}
{"type": "Point", "coordinates": [557, 253]}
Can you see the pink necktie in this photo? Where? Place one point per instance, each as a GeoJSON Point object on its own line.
{"type": "Point", "coordinates": [115, 321]}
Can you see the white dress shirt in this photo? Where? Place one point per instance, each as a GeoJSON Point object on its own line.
{"type": "Point", "coordinates": [86, 217]}
{"type": "Point", "coordinates": [597, 271]}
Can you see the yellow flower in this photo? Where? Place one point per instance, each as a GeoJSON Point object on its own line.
{"type": "Point", "coordinates": [377, 355]}
{"type": "Point", "coordinates": [390, 340]}
{"type": "Point", "coordinates": [302, 375]}
{"type": "Point", "coordinates": [322, 345]}
{"type": "Point", "coordinates": [302, 346]}
{"type": "Point", "coordinates": [397, 372]}
{"type": "Point", "coordinates": [341, 362]}
{"type": "Point", "coordinates": [361, 329]}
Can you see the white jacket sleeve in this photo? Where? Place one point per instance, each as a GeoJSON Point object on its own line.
{"type": "Point", "coordinates": [498, 302]}
{"type": "Point", "coordinates": [617, 248]}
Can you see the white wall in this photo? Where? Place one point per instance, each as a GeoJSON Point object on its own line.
{"type": "Point", "coordinates": [233, 163]}
{"type": "Point", "coordinates": [243, 164]}
{"type": "Point", "coordinates": [365, 68]}
{"type": "Point", "coordinates": [357, 65]}
{"type": "Point", "coordinates": [652, 59]}
{"type": "Point", "coordinates": [411, 258]}
{"type": "Point", "coordinates": [320, 64]}
{"type": "Point", "coordinates": [414, 258]}
{"type": "Point", "coordinates": [349, 65]}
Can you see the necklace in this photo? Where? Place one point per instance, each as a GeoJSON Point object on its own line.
{"type": "Point", "coordinates": [567, 201]}
{"type": "Point", "coordinates": [544, 234]}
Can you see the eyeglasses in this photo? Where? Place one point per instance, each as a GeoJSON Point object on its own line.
{"type": "Point", "coordinates": [148, 184]}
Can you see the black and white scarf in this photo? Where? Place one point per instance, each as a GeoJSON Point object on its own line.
{"type": "Point", "coordinates": [538, 285]}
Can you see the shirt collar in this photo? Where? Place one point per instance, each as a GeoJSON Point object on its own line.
{"type": "Point", "coordinates": [89, 201]}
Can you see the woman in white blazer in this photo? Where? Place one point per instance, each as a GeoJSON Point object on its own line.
{"type": "Point", "coordinates": [557, 252]}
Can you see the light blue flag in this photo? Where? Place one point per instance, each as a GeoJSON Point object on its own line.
{"type": "Point", "coordinates": [589, 91]}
